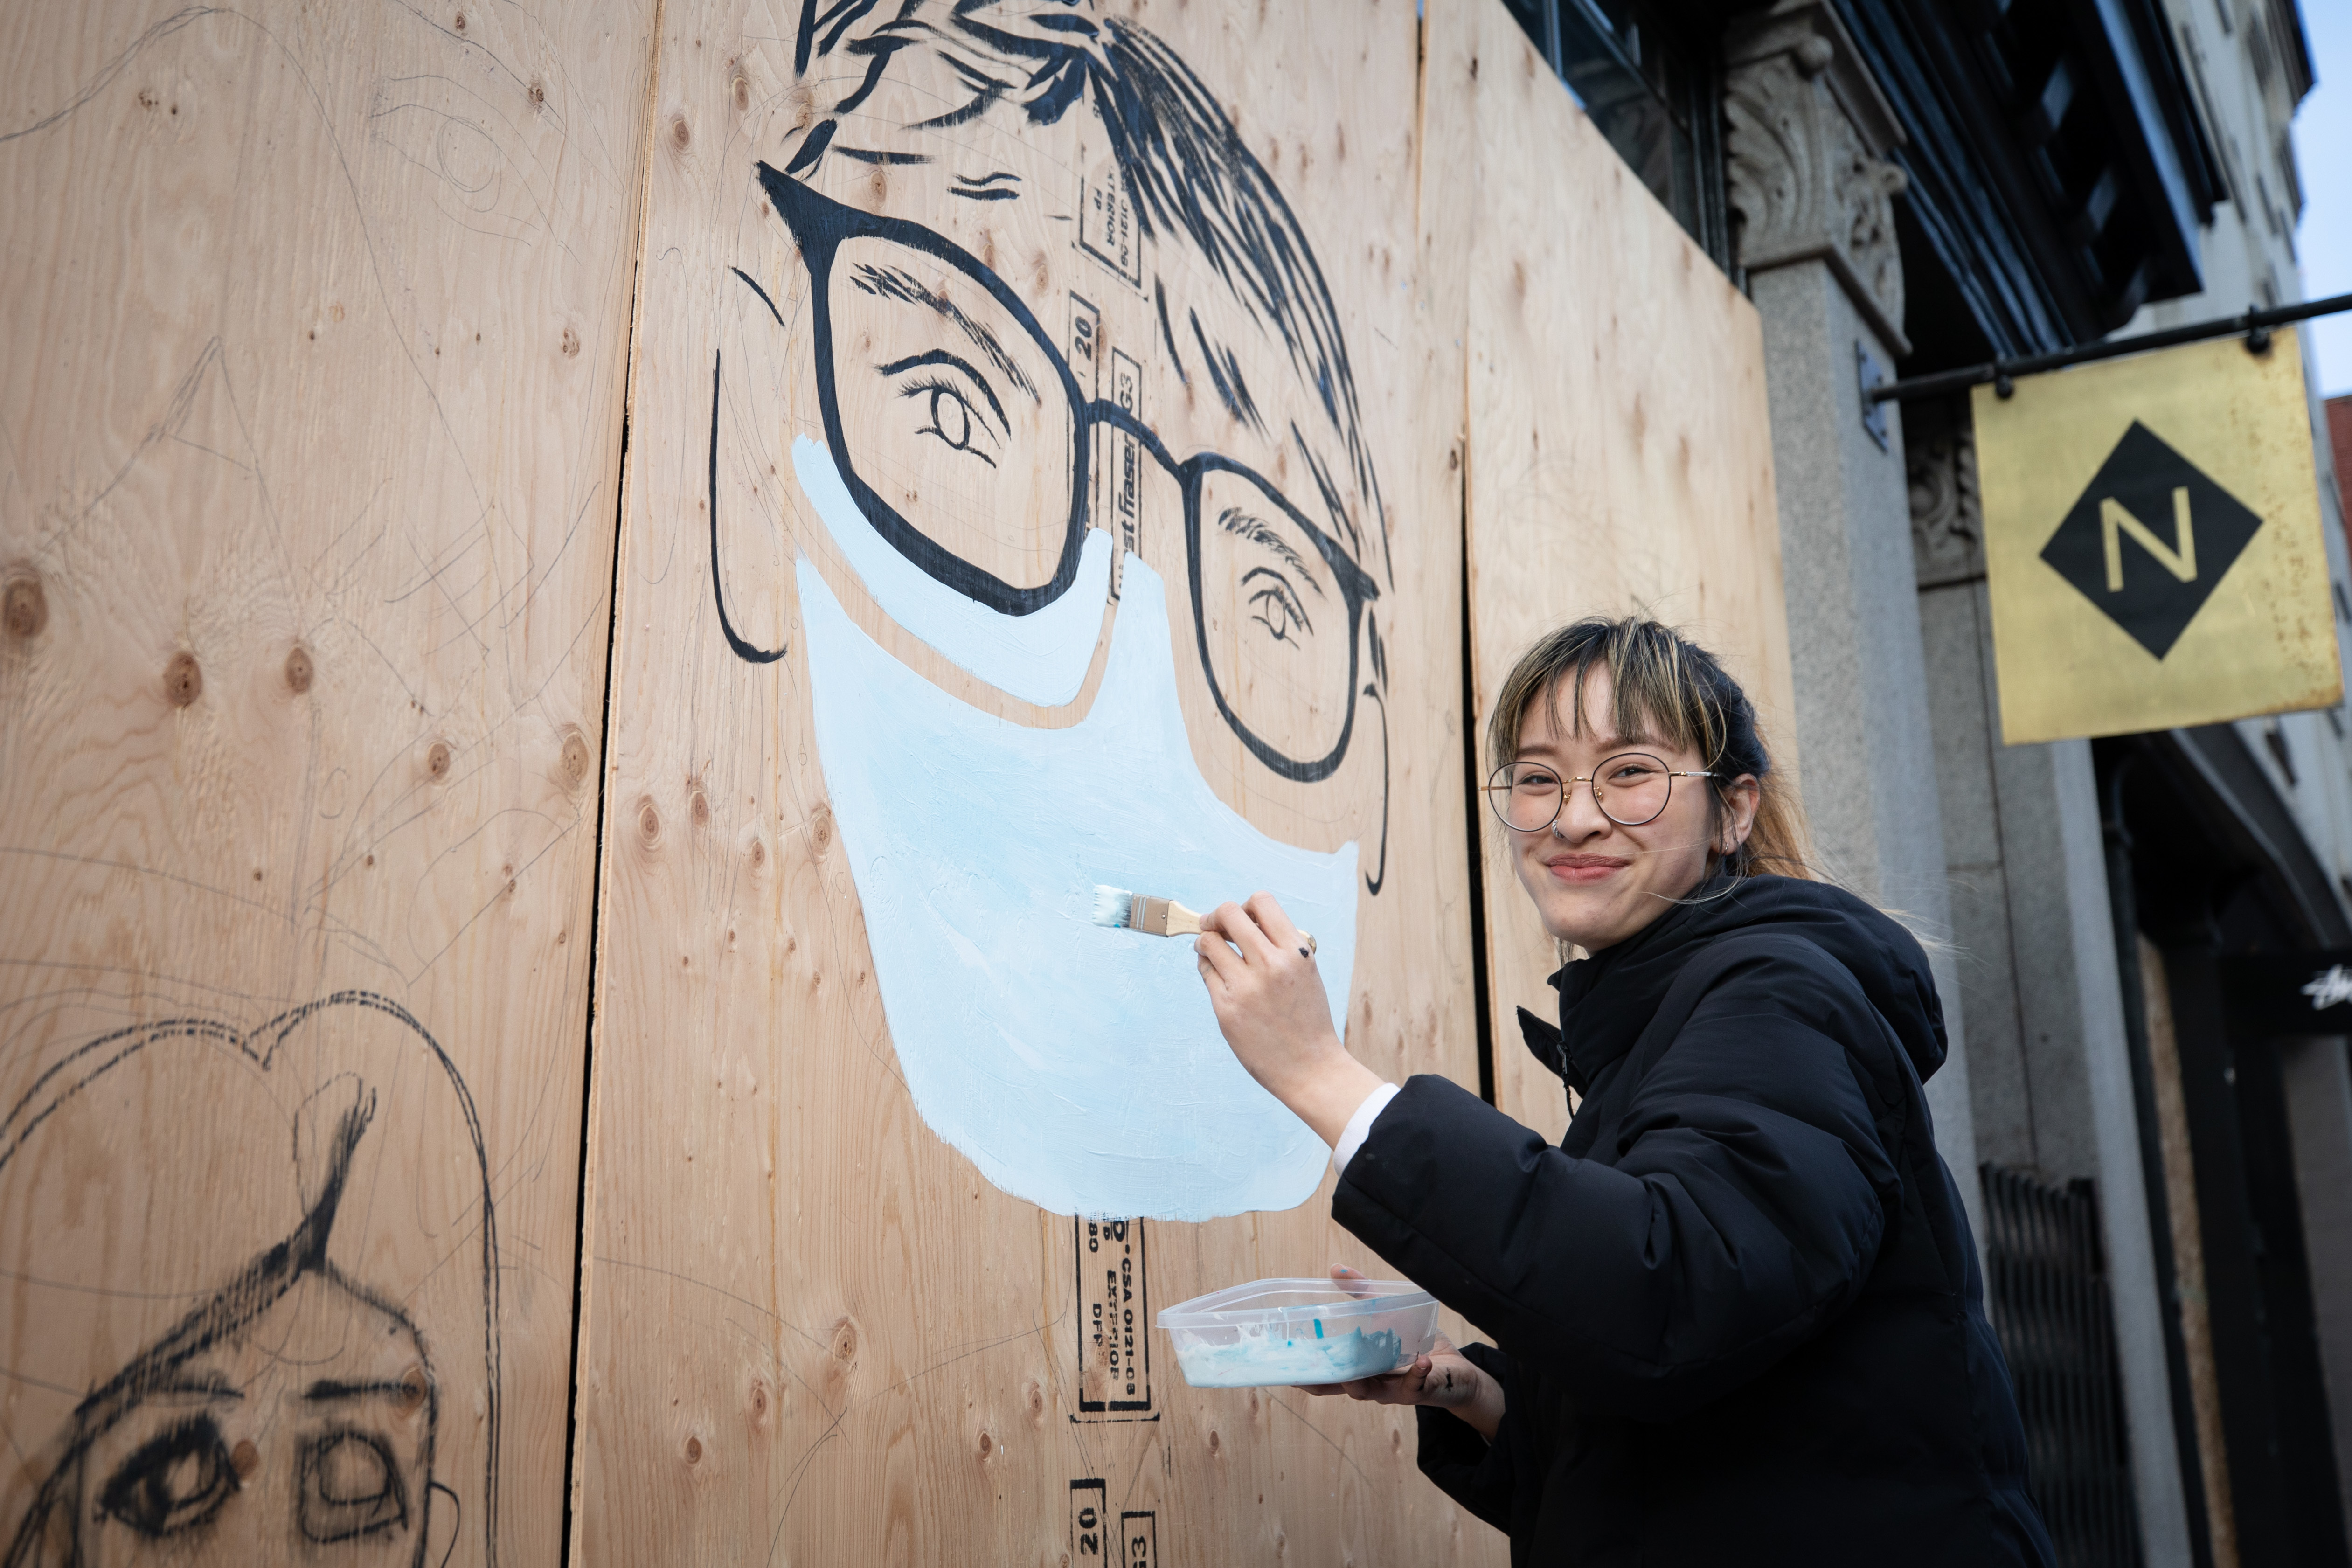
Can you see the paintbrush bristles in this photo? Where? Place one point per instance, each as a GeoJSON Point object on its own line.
{"type": "Point", "coordinates": [1112, 905]}
{"type": "Point", "coordinates": [1123, 910]}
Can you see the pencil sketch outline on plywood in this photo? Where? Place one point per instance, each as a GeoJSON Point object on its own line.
{"type": "Point", "coordinates": [292, 1379]}
{"type": "Point", "coordinates": [983, 482]}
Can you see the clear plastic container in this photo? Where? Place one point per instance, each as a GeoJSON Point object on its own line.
{"type": "Point", "coordinates": [1270, 1332]}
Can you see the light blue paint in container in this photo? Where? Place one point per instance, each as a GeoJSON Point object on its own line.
{"type": "Point", "coordinates": [1270, 1333]}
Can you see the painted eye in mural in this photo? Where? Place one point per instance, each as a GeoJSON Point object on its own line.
{"type": "Point", "coordinates": [951, 413]}
{"type": "Point", "coordinates": [942, 389]}
{"type": "Point", "coordinates": [175, 1481]}
{"type": "Point", "coordinates": [1275, 624]}
{"type": "Point", "coordinates": [1274, 604]}
{"type": "Point", "coordinates": [350, 1487]}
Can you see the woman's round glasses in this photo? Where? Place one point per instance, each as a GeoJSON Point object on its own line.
{"type": "Point", "coordinates": [1630, 788]}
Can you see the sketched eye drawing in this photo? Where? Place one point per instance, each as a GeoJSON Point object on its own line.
{"type": "Point", "coordinates": [173, 1482]}
{"type": "Point", "coordinates": [350, 1487]}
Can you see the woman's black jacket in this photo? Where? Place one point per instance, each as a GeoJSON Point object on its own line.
{"type": "Point", "coordinates": [1736, 1314]}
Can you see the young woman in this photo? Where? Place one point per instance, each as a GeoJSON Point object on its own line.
{"type": "Point", "coordinates": [1737, 1313]}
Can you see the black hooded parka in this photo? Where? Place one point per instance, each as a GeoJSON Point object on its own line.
{"type": "Point", "coordinates": [1736, 1314]}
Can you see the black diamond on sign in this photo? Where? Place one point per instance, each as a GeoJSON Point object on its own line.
{"type": "Point", "coordinates": [2150, 540]}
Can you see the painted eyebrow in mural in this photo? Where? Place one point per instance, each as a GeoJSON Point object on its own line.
{"type": "Point", "coordinates": [891, 283]}
{"type": "Point", "coordinates": [875, 155]}
{"type": "Point", "coordinates": [987, 188]}
{"type": "Point", "coordinates": [1233, 519]}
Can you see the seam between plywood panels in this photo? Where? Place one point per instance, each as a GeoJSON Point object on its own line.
{"type": "Point", "coordinates": [574, 1544]}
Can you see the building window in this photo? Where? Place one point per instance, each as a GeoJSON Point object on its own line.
{"type": "Point", "coordinates": [1652, 91]}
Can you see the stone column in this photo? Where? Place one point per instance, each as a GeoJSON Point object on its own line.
{"type": "Point", "coordinates": [2050, 1069]}
{"type": "Point", "coordinates": [1809, 131]}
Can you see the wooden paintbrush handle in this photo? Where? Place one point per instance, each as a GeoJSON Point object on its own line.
{"type": "Point", "coordinates": [1183, 921]}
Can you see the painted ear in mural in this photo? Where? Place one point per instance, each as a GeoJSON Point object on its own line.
{"type": "Point", "coordinates": [750, 540]}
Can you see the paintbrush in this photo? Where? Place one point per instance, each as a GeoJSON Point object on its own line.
{"type": "Point", "coordinates": [1122, 910]}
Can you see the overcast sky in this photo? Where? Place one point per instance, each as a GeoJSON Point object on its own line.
{"type": "Point", "coordinates": [2322, 147]}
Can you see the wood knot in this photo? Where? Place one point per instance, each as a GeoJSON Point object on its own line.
{"type": "Point", "coordinates": [538, 94]}
{"type": "Point", "coordinates": [759, 853]}
{"type": "Point", "coordinates": [299, 671]}
{"type": "Point", "coordinates": [679, 135]}
{"type": "Point", "coordinates": [575, 757]}
{"type": "Point", "coordinates": [245, 1459]}
{"type": "Point", "coordinates": [697, 807]}
{"type": "Point", "coordinates": [844, 1341]}
{"type": "Point", "coordinates": [694, 1451]}
{"type": "Point", "coordinates": [461, 21]}
{"type": "Point", "coordinates": [23, 608]}
{"type": "Point", "coordinates": [648, 823]}
{"type": "Point", "coordinates": [757, 1401]}
{"type": "Point", "coordinates": [987, 1446]}
{"type": "Point", "coordinates": [571, 343]}
{"type": "Point", "coordinates": [1215, 1442]}
{"type": "Point", "coordinates": [821, 828]}
{"type": "Point", "coordinates": [183, 682]}
{"type": "Point", "coordinates": [742, 93]}
{"type": "Point", "coordinates": [436, 759]}
{"type": "Point", "coordinates": [413, 1388]}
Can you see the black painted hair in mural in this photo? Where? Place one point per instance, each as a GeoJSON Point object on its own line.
{"type": "Point", "coordinates": [1187, 173]}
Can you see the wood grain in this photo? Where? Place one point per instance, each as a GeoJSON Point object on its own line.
{"type": "Point", "coordinates": [815, 1332]}
{"type": "Point", "coordinates": [1619, 451]}
{"type": "Point", "coordinates": [310, 426]}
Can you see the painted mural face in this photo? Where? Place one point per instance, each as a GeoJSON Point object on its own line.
{"type": "Point", "coordinates": [1160, 475]}
{"type": "Point", "coordinates": [283, 1400]}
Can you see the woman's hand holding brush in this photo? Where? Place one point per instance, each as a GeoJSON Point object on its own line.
{"type": "Point", "coordinates": [1272, 1008]}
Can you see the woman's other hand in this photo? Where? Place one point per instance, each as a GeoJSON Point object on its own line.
{"type": "Point", "coordinates": [1274, 1014]}
{"type": "Point", "coordinates": [1444, 1378]}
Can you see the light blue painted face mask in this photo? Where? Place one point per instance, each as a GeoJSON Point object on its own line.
{"type": "Point", "coordinates": [1076, 1067]}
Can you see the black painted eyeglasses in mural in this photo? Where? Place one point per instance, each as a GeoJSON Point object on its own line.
{"type": "Point", "coordinates": [856, 258]}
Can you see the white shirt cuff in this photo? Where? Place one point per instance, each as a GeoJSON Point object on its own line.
{"type": "Point", "coordinates": [1359, 1126]}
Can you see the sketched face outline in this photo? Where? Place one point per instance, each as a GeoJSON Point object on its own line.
{"type": "Point", "coordinates": [820, 227]}
{"type": "Point", "coordinates": [345, 1453]}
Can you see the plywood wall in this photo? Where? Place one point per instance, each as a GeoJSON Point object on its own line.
{"type": "Point", "coordinates": [819, 1329]}
{"type": "Point", "coordinates": [310, 429]}
{"type": "Point", "coordinates": [377, 692]}
{"type": "Point", "coordinates": [1619, 455]}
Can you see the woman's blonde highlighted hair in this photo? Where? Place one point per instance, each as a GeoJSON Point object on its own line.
{"type": "Point", "coordinates": [1666, 687]}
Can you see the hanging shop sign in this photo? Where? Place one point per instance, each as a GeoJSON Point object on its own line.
{"type": "Point", "coordinates": [2153, 544]}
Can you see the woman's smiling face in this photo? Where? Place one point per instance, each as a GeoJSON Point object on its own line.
{"type": "Point", "coordinates": [1596, 881]}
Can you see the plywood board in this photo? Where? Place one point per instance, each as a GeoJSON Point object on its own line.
{"type": "Point", "coordinates": [309, 435]}
{"type": "Point", "coordinates": [1030, 485]}
{"type": "Point", "coordinates": [1620, 451]}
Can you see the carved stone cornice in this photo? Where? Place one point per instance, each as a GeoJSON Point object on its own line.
{"type": "Point", "coordinates": [1946, 511]}
{"type": "Point", "coordinates": [1806, 156]}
